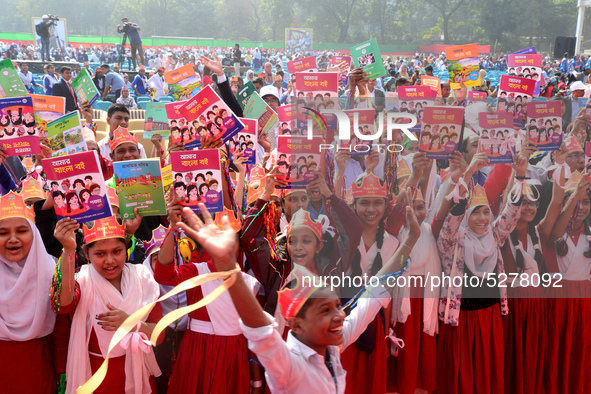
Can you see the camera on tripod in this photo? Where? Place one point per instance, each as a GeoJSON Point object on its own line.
{"type": "Point", "coordinates": [53, 18]}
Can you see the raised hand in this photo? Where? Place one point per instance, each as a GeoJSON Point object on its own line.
{"type": "Point", "coordinates": [371, 161]}
{"type": "Point", "coordinates": [221, 245]}
{"type": "Point", "coordinates": [272, 181]}
{"type": "Point", "coordinates": [65, 233]}
{"type": "Point", "coordinates": [320, 184]}
{"type": "Point", "coordinates": [457, 166]}
{"type": "Point", "coordinates": [213, 65]}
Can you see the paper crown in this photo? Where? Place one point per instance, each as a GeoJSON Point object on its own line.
{"type": "Point", "coordinates": [444, 174]}
{"type": "Point", "coordinates": [370, 187]}
{"type": "Point", "coordinates": [256, 185]}
{"type": "Point", "coordinates": [292, 300]}
{"type": "Point", "coordinates": [121, 136]}
{"type": "Point", "coordinates": [158, 236]}
{"type": "Point", "coordinates": [103, 229]}
{"type": "Point", "coordinates": [575, 178]}
{"type": "Point", "coordinates": [31, 188]}
{"type": "Point", "coordinates": [478, 197]}
{"type": "Point", "coordinates": [573, 144]}
{"type": "Point", "coordinates": [417, 195]}
{"type": "Point", "coordinates": [403, 169]}
{"type": "Point", "coordinates": [235, 222]}
{"type": "Point", "coordinates": [12, 205]}
{"type": "Point", "coordinates": [113, 199]}
{"type": "Point", "coordinates": [303, 219]}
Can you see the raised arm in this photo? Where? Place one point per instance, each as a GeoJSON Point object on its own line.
{"type": "Point", "coordinates": [457, 166]}
{"type": "Point", "coordinates": [567, 212]}
{"type": "Point", "coordinates": [555, 206]}
{"type": "Point", "coordinates": [65, 234]}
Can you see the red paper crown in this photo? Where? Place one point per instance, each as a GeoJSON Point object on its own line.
{"type": "Point", "coordinates": [103, 229]}
{"type": "Point", "coordinates": [575, 178]}
{"type": "Point", "coordinates": [444, 174]}
{"type": "Point", "coordinates": [121, 136]}
{"type": "Point", "coordinates": [573, 144]}
{"type": "Point", "coordinates": [303, 219]}
{"type": "Point", "coordinates": [12, 205]}
{"type": "Point", "coordinates": [158, 236]}
{"type": "Point", "coordinates": [256, 185]}
{"type": "Point", "coordinates": [292, 300]}
{"type": "Point", "coordinates": [32, 189]}
{"type": "Point", "coordinates": [371, 186]}
{"type": "Point", "coordinates": [418, 195]}
{"type": "Point", "coordinates": [403, 169]}
{"type": "Point", "coordinates": [235, 222]}
{"type": "Point", "coordinates": [478, 197]}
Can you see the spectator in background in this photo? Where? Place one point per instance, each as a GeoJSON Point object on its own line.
{"type": "Point", "coordinates": [42, 30]}
{"type": "Point", "coordinates": [76, 70]}
{"type": "Point", "coordinates": [113, 82]}
{"type": "Point", "coordinates": [237, 58]}
{"type": "Point", "coordinates": [49, 79]}
{"type": "Point", "coordinates": [99, 81]}
{"type": "Point", "coordinates": [126, 99]}
{"type": "Point", "coordinates": [157, 83]}
{"type": "Point", "coordinates": [64, 89]}
{"type": "Point", "coordinates": [140, 83]}
{"type": "Point", "coordinates": [27, 78]}
{"type": "Point", "coordinates": [133, 32]}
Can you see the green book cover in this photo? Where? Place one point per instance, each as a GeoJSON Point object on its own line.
{"type": "Point", "coordinates": [138, 184]}
{"type": "Point", "coordinates": [156, 121]}
{"type": "Point", "coordinates": [367, 55]}
{"type": "Point", "coordinates": [257, 108]}
{"type": "Point", "coordinates": [244, 93]}
{"type": "Point", "coordinates": [84, 87]}
{"type": "Point", "coordinates": [65, 135]}
{"type": "Point", "coordinates": [11, 84]}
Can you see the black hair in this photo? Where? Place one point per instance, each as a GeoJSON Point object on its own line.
{"type": "Point", "coordinates": [117, 108]}
{"type": "Point", "coordinates": [65, 68]}
{"type": "Point", "coordinates": [562, 246]}
{"type": "Point", "coordinates": [519, 259]}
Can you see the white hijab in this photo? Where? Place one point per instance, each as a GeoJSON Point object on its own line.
{"type": "Point", "coordinates": [25, 307]}
{"type": "Point", "coordinates": [480, 251]}
{"type": "Point", "coordinates": [138, 288]}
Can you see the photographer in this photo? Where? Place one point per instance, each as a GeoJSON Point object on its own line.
{"type": "Point", "coordinates": [131, 30]}
{"type": "Point", "coordinates": [42, 30]}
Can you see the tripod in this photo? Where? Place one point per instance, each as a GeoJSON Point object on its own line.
{"type": "Point", "coordinates": [121, 50]}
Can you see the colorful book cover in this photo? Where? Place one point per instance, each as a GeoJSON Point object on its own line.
{"type": "Point", "coordinates": [367, 55]}
{"type": "Point", "coordinates": [18, 129]}
{"type": "Point", "coordinates": [139, 185]}
{"type": "Point", "coordinates": [298, 158]}
{"type": "Point", "coordinates": [317, 91]}
{"type": "Point", "coordinates": [463, 65]}
{"type": "Point", "coordinates": [246, 141]}
{"type": "Point", "coordinates": [244, 93]}
{"type": "Point", "coordinates": [474, 96]}
{"type": "Point", "coordinates": [179, 127]}
{"type": "Point", "coordinates": [84, 87]}
{"type": "Point", "coordinates": [156, 121]}
{"type": "Point", "coordinates": [338, 59]}
{"type": "Point", "coordinates": [286, 114]}
{"type": "Point", "coordinates": [196, 177]}
{"type": "Point", "coordinates": [307, 64]}
{"type": "Point", "coordinates": [526, 66]}
{"type": "Point", "coordinates": [413, 99]}
{"type": "Point", "coordinates": [11, 84]}
{"type": "Point", "coordinates": [544, 124]}
{"type": "Point", "coordinates": [47, 109]}
{"type": "Point", "coordinates": [208, 116]}
{"type": "Point", "coordinates": [77, 187]}
{"type": "Point", "coordinates": [441, 131]}
{"type": "Point", "coordinates": [183, 83]}
{"type": "Point", "coordinates": [361, 120]}
{"type": "Point", "coordinates": [513, 96]}
{"type": "Point", "coordinates": [522, 52]}
{"type": "Point", "coordinates": [65, 135]}
{"type": "Point", "coordinates": [433, 82]}
{"type": "Point", "coordinates": [497, 136]}
{"type": "Point", "coordinates": [257, 108]}
{"type": "Point", "coordinates": [166, 178]}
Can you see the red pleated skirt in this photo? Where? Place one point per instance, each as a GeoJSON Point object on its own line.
{"type": "Point", "coordinates": [470, 356]}
{"type": "Point", "coordinates": [211, 364]}
{"type": "Point", "coordinates": [568, 357]}
{"type": "Point", "coordinates": [415, 367]}
{"type": "Point", "coordinates": [27, 367]}
{"type": "Point", "coordinates": [526, 340]}
{"type": "Point", "coordinates": [366, 373]}
{"type": "Point", "coordinates": [114, 382]}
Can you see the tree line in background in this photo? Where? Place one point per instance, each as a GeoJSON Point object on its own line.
{"type": "Point", "coordinates": [506, 25]}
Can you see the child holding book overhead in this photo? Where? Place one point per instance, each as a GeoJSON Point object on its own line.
{"type": "Point", "coordinates": [309, 362]}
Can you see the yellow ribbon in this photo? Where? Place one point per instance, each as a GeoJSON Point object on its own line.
{"type": "Point", "coordinates": [229, 278]}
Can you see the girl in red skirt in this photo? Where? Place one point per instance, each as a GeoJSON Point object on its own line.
{"type": "Point", "coordinates": [470, 351]}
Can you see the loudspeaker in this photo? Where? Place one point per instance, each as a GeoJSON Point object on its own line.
{"type": "Point", "coordinates": [564, 44]}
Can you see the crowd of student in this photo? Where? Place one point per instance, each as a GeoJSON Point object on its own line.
{"type": "Point", "coordinates": [65, 288]}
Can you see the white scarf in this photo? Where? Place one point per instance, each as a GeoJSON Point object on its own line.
{"type": "Point", "coordinates": [529, 262]}
{"type": "Point", "coordinates": [25, 308]}
{"type": "Point", "coordinates": [138, 288]}
{"type": "Point", "coordinates": [424, 259]}
{"type": "Point", "coordinates": [480, 251]}
{"type": "Point", "coordinates": [574, 265]}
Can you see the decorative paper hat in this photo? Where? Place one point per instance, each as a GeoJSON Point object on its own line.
{"type": "Point", "coordinates": [31, 188]}
{"type": "Point", "coordinates": [28, 162]}
{"type": "Point", "coordinates": [286, 192]}
{"type": "Point", "coordinates": [574, 180]}
{"type": "Point", "coordinates": [103, 229]}
{"type": "Point", "coordinates": [444, 174]}
{"type": "Point", "coordinates": [303, 219]}
{"type": "Point", "coordinates": [573, 144]}
{"type": "Point", "coordinates": [256, 185]}
{"type": "Point", "coordinates": [12, 205]}
{"type": "Point", "coordinates": [158, 236]}
{"type": "Point", "coordinates": [113, 199]}
{"type": "Point", "coordinates": [370, 187]}
{"type": "Point", "coordinates": [478, 197]}
{"type": "Point", "coordinates": [418, 195]}
{"type": "Point", "coordinates": [292, 300]}
{"type": "Point", "coordinates": [121, 136]}
{"type": "Point", "coordinates": [235, 222]}
{"type": "Point", "coordinates": [403, 169]}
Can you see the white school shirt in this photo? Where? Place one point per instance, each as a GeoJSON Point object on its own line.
{"type": "Point", "coordinates": [575, 266]}
{"type": "Point", "coordinates": [294, 368]}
